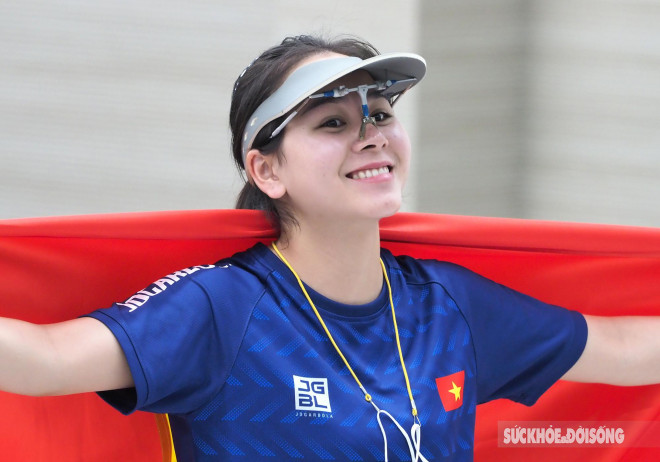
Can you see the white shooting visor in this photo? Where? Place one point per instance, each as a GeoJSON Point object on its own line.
{"type": "Point", "coordinates": [396, 71]}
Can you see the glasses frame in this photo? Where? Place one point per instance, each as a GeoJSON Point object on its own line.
{"type": "Point", "coordinates": [390, 89]}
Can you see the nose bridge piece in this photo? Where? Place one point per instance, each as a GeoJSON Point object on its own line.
{"type": "Point", "coordinates": [363, 128]}
{"type": "Point", "coordinates": [366, 118]}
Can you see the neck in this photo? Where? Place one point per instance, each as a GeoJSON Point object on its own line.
{"type": "Point", "coordinates": [342, 262]}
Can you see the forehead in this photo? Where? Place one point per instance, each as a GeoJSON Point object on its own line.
{"type": "Point", "coordinates": [350, 80]}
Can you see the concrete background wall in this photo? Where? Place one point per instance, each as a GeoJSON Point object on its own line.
{"type": "Point", "coordinates": [123, 106]}
{"type": "Point", "coordinates": [546, 109]}
{"type": "Point", "coordinates": [473, 111]}
{"type": "Point", "coordinates": [593, 131]}
{"type": "Point", "coordinates": [541, 109]}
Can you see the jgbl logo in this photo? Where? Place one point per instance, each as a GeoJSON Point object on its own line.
{"type": "Point", "coordinates": [311, 394]}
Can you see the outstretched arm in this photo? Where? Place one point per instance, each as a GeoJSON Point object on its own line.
{"type": "Point", "coordinates": [75, 356]}
{"type": "Point", "coordinates": [620, 351]}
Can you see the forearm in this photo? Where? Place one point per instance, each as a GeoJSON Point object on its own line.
{"type": "Point", "coordinates": [620, 351]}
{"type": "Point", "coordinates": [640, 337]}
{"type": "Point", "coordinates": [24, 362]}
{"type": "Point", "coordinates": [75, 356]}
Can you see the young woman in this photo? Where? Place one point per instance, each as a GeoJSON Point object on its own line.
{"type": "Point", "coordinates": [323, 345]}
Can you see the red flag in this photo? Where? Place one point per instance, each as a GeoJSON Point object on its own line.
{"type": "Point", "coordinates": [53, 269]}
{"type": "Point", "coordinates": [450, 389]}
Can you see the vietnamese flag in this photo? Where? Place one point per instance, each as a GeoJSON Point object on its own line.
{"type": "Point", "coordinates": [450, 389]}
{"type": "Point", "coordinates": [53, 269]}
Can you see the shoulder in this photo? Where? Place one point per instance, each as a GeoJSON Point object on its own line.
{"type": "Point", "coordinates": [427, 271]}
{"type": "Point", "coordinates": [244, 273]}
{"type": "Point", "coordinates": [238, 274]}
{"type": "Point", "coordinates": [471, 292]}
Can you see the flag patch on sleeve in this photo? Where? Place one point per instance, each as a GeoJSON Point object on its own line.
{"type": "Point", "coordinates": [450, 389]}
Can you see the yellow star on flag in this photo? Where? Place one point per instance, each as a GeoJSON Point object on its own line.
{"type": "Point", "coordinates": [456, 391]}
{"type": "Point", "coordinates": [450, 390]}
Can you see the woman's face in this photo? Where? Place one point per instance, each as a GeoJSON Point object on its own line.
{"type": "Point", "coordinates": [329, 172]}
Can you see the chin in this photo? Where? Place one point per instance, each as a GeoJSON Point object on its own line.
{"type": "Point", "coordinates": [388, 209]}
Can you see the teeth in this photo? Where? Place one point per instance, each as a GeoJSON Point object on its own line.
{"type": "Point", "coordinates": [369, 173]}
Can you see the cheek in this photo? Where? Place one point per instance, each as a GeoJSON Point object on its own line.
{"type": "Point", "coordinates": [319, 157]}
{"type": "Point", "coordinates": [307, 163]}
{"type": "Point", "coordinates": [400, 143]}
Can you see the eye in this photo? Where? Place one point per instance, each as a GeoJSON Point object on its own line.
{"type": "Point", "coordinates": [333, 123]}
{"type": "Point", "coordinates": [381, 116]}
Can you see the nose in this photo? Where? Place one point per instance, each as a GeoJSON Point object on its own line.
{"type": "Point", "coordinates": [370, 136]}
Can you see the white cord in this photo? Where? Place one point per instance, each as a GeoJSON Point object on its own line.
{"type": "Point", "coordinates": [414, 446]}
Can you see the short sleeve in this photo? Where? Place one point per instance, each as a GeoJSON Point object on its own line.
{"type": "Point", "coordinates": [522, 345]}
{"type": "Point", "coordinates": [168, 336]}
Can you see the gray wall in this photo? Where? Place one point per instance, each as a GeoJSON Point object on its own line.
{"type": "Point", "coordinates": [545, 109]}
{"type": "Point", "coordinates": [593, 135]}
{"type": "Point", "coordinates": [541, 109]}
{"type": "Point", "coordinates": [122, 106]}
{"type": "Point", "coordinates": [472, 118]}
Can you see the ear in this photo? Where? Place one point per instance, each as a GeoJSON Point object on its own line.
{"type": "Point", "coordinates": [262, 171]}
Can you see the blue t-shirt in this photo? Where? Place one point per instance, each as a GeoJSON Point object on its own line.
{"type": "Point", "coordinates": [234, 353]}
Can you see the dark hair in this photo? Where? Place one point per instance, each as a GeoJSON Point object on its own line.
{"type": "Point", "coordinates": [256, 83]}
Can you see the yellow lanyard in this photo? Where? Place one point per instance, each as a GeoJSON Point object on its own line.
{"type": "Point", "coordinates": [367, 396]}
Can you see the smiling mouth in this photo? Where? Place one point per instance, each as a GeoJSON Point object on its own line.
{"type": "Point", "coordinates": [369, 173]}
